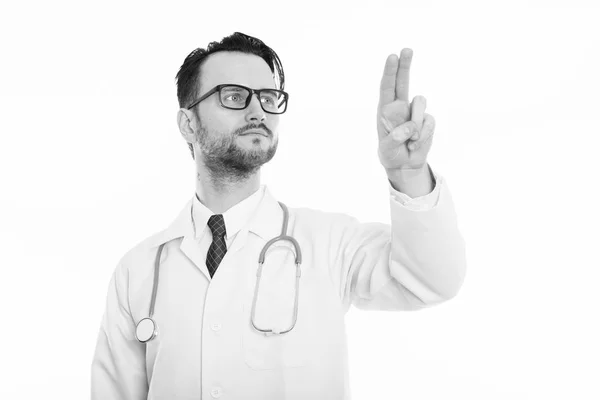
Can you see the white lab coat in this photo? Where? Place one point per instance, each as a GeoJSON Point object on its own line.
{"type": "Point", "coordinates": [206, 347]}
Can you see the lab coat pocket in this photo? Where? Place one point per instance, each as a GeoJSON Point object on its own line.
{"type": "Point", "coordinates": [275, 307]}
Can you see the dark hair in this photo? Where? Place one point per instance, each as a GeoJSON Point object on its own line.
{"type": "Point", "coordinates": [188, 77]}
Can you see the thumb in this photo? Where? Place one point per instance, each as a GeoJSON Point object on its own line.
{"type": "Point", "coordinates": [400, 134]}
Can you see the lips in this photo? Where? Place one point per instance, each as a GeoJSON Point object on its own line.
{"type": "Point", "coordinates": [255, 131]}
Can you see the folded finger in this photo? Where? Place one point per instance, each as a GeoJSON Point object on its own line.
{"type": "Point", "coordinates": [400, 134]}
{"type": "Point", "coordinates": [426, 133]}
{"type": "Point", "coordinates": [421, 145]}
{"type": "Point", "coordinates": [417, 111]}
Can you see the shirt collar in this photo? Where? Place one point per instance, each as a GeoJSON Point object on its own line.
{"type": "Point", "coordinates": [265, 221]}
{"type": "Point", "coordinates": [236, 217]}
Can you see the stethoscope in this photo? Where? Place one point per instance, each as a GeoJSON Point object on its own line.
{"type": "Point", "coordinates": [147, 329]}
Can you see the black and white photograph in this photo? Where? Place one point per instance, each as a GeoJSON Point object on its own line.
{"type": "Point", "coordinates": [300, 200]}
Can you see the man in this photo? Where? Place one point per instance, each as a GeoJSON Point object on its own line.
{"type": "Point", "coordinates": [223, 331]}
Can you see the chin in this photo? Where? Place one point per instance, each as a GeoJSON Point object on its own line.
{"type": "Point", "coordinates": [256, 142]}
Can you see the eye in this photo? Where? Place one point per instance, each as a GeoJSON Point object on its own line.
{"type": "Point", "coordinates": [234, 97]}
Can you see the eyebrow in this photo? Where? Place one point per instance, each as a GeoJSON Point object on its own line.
{"type": "Point", "coordinates": [234, 88]}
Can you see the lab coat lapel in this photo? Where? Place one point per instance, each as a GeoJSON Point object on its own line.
{"type": "Point", "coordinates": [180, 227]}
{"type": "Point", "coordinates": [266, 223]}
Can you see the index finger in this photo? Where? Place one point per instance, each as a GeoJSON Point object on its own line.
{"type": "Point", "coordinates": [403, 74]}
{"type": "Point", "coordinates": [388, 81]}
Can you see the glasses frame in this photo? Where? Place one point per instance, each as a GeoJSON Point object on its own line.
{"type": "Point", "coordinates": [217, 89]}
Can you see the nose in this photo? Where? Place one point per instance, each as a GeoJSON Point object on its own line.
{"type": "Point", "coordinates": [255, 112]}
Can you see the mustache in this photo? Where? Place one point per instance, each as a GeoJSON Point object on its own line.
{"type": "Point", "coordinates": [253, 126]}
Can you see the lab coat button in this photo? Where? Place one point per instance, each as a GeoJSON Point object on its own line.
{"type": "Point", "coordinates": [216, 392]}
{"type": "Point", "coordinates": [216, 327]}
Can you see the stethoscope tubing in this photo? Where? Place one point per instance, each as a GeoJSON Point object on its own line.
{"type": "Point", "coordinates": [155, 284]}
{"type": "Point", "coordinates": [261, 260]}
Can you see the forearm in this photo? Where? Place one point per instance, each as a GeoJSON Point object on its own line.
{"type": "Point", "coordinates": [413, 183]}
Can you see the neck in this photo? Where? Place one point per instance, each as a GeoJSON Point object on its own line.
{"type": "Point", "coordinates": [219, 196]}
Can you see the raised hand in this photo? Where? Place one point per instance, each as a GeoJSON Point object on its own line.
{"type": "Point", "coordinates": [405, 130]}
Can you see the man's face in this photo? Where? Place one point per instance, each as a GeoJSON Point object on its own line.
{"type": "Point", "coordinates": [226, 148]}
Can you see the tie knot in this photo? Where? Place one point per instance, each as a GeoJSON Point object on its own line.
{"type": "Point", "coordinates": [216, 223]}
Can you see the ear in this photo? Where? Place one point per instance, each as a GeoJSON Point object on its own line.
{"type": "Point", "coordinates": [187, 125]}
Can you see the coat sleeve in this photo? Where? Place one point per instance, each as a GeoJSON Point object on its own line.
{"type": "Point", "coordinates": [417, 262]}
{"type": "Point", "coordinates": [118, 367]}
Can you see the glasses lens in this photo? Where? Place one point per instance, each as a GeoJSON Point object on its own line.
{"type": "Point", "coordinates": [234, 96]}
{"type": "Point", "coordinates": [273, 101]}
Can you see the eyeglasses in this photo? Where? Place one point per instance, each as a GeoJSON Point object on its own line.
{"type": "Point", "coordinates": [238, 97]}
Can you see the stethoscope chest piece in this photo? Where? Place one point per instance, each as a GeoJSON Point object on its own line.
{"type": "Point", "coordinates": [145, 330]}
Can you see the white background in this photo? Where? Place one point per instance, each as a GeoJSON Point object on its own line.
{"type": "Point", "coordinates": [92, 163]}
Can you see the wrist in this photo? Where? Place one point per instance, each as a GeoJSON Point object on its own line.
{"type": "Point", "coordinates": [414, 182]}
{"type": "Point", "coordinates": [407, 174]}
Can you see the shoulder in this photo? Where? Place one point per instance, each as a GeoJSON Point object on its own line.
{"type": "Point", "coordinates": [143, 254]}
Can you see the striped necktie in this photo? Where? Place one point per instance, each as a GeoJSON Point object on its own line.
{"type": "Point", "coordinates": [217, 248]}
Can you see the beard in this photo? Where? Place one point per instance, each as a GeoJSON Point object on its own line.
{"type": "Point", "coordinates": [226, 161]}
